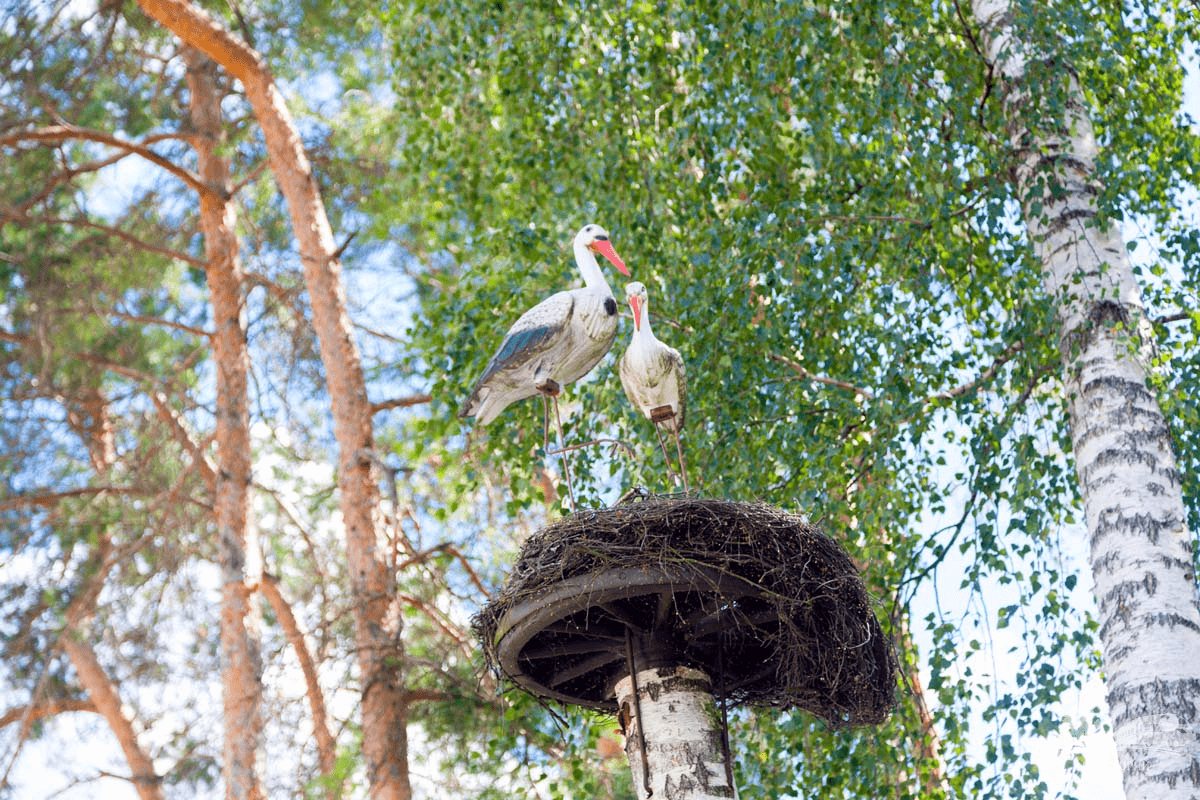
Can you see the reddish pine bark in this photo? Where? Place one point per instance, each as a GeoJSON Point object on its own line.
{"type": "Point", "coordinates": [104, 696]}
{"type": "Point", "coordinates": [377, 619]}
{"type": "Point", "coordinates": [241, 645]}
{"type": "Point", "coordinates": [326, 746]}
{"type": "Point", "coordinates": [95, 429]}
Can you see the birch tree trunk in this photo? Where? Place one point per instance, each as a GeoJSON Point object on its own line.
{"type": "Point", "coordinates": [376, 612]}
{"type": "Point", "coordinates": [1141, 554]}
{"type": "Point", "coordinates": [675, 717]}
{"type": "Point", "coordinates": [241, 562]}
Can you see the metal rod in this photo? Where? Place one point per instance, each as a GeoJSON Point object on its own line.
{"type": "Point", "coordinates": [682, 465]}
{"type": "Point", "coordinates": [666, 458]}
{"type": "Point", "coordinates": [549, 395]}
{"type": "Point", "coordinates": [721, 698]}
{"type": "Point", "coordinates": [637, 713]}
{"type": "Point", "coordinates": [566, 458]}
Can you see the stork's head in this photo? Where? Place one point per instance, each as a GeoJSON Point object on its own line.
{"type": "Point", "coordinates": [635, 295]}
{"type": "Point", "coordinates": [595, 239]}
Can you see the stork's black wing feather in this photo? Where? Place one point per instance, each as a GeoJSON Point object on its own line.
{"type": "Point", "coordinates": [533, 332]}
{"type": "Point", "coordinates": [523, 341]}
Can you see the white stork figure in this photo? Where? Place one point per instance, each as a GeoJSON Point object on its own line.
{"type": "Point", "coordinates": [556, 342]}
{"type": "Point", "coordinates": [653, 376]}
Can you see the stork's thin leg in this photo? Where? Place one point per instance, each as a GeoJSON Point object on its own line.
{"type": "Point", "coordinates": [666, 457]}
{"type": "Point", "coordinates": [682, 464]}
{"type": "Point", "coordinates": [549, 390]}
{"type": "Point", "coordinates": [566, 458]}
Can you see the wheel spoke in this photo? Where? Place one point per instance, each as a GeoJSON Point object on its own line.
{"type": "Point", "coordinates": [558, 677]}
{"type": "Point", "coordinates": [538, 649]}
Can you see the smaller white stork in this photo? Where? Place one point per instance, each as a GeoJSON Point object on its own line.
{"type": "Point", "coordinates": [654, 377]}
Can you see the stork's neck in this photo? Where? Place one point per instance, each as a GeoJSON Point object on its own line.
{"type": "Point", "coordinates": [593, 276]}
{"type": "Point", "coordinates": [643, 330]}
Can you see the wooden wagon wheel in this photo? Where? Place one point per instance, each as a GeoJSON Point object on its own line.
{"type": "Point", "coordinates": [572, 642]}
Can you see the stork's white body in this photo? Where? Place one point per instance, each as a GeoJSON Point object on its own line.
{"type": "Point", "coordinates": [654, 378]}
{"type": "Point", "coordinates": [653, 374]}
{"type": "Point", "coordinates": [556, 342]}
{"type": "Point", "coordinates": [560, 339]}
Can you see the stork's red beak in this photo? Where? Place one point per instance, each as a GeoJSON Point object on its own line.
{"type": "Point", "coordinates": [605, 248]}
{"type": "Point", "coordinates": [637, 312]}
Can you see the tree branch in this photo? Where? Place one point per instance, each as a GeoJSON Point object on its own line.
{"type": "Point", "coordinates": [251, 177]}
{"type": "Point", "coordinates": [289, 298]}
{"type": "Point", "coordinates": [43, 710]}
{"type": "Point", "coordinates": [142, 320]}
{"type": "Point", "coordinates": [387, 337]}
{"type": "Point", "coordinates": [410, 696]}
{"type": "Point", "coordinates": [803, 372]}
{"type": "Point", "coordinates": [46, 499]}
{"type": "Point", "coordinates": [451, 550]}
{"type": "Point", "coordinates": [400, 402]}
{"type": "Point", "coordinates": [1178, 316]}
{"type": "Point", "coordinates": [326, 746]}
{"type": "Point", "coordinates": [174, 422]}
{"type": "Point", "coordinates": [439, 619]}
{"type": "Point", "coordinates": [293, 516]}
{"type": "Point", "coordinates": [67, 132]}
{"type": "Point", "coordinates": [984, 377]}
{"type": "Point", "coordinates": [61, 177]}
{"type": "Point", "coordinates": [974, 383]}
{"type": "Point", "coordinates": [103, 692]}
{"type": "Point", "coordinates": [128, 238]}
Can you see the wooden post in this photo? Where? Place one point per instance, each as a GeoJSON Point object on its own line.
{"type": "Point", "coordinates": [673, 735]}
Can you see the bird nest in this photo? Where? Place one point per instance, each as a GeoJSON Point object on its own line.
{"type": "Point", "coordinates": [772, 609]}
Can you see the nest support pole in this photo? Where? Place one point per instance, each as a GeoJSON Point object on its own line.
{"type": "Point", "coordinates": [672, 735]}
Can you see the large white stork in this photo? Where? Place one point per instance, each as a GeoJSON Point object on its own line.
{"type": "Point", "coordinates": [654, 377]}
{"type": "Point", "coordinates": [556, 342]}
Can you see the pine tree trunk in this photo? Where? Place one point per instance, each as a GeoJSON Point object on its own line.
{"type": "Point", "coordinates": [676, 719]}
{"type": "Point", "coordinates": [326, 744]}
{"type": "Point", "coordinates": [94, 427]}
{"type": "Point", "coordinates": [1141, 553]}
{"type": "Point", "coordinates": [376, 612]}
{"type": "Point", "coordinates": [241, 563]}
{"type": "Point", "coordinates": [103, 694]}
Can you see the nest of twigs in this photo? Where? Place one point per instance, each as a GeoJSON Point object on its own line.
{"type": "Point", "coordinates": [772, 609]}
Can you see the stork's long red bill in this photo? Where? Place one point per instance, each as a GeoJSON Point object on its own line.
{"type": "Point", "coordinates": [637, 311]}
{"type": "Point", "coordinates": [605, 248]}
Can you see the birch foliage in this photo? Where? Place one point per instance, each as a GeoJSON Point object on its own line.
{"type": "Point", "coordinates": [819, 199]}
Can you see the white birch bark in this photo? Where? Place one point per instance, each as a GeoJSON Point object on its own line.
{"type": "Point", "coordinates": [677, 719]}
{"type": "Point", "coordinates": [1141, 555]}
